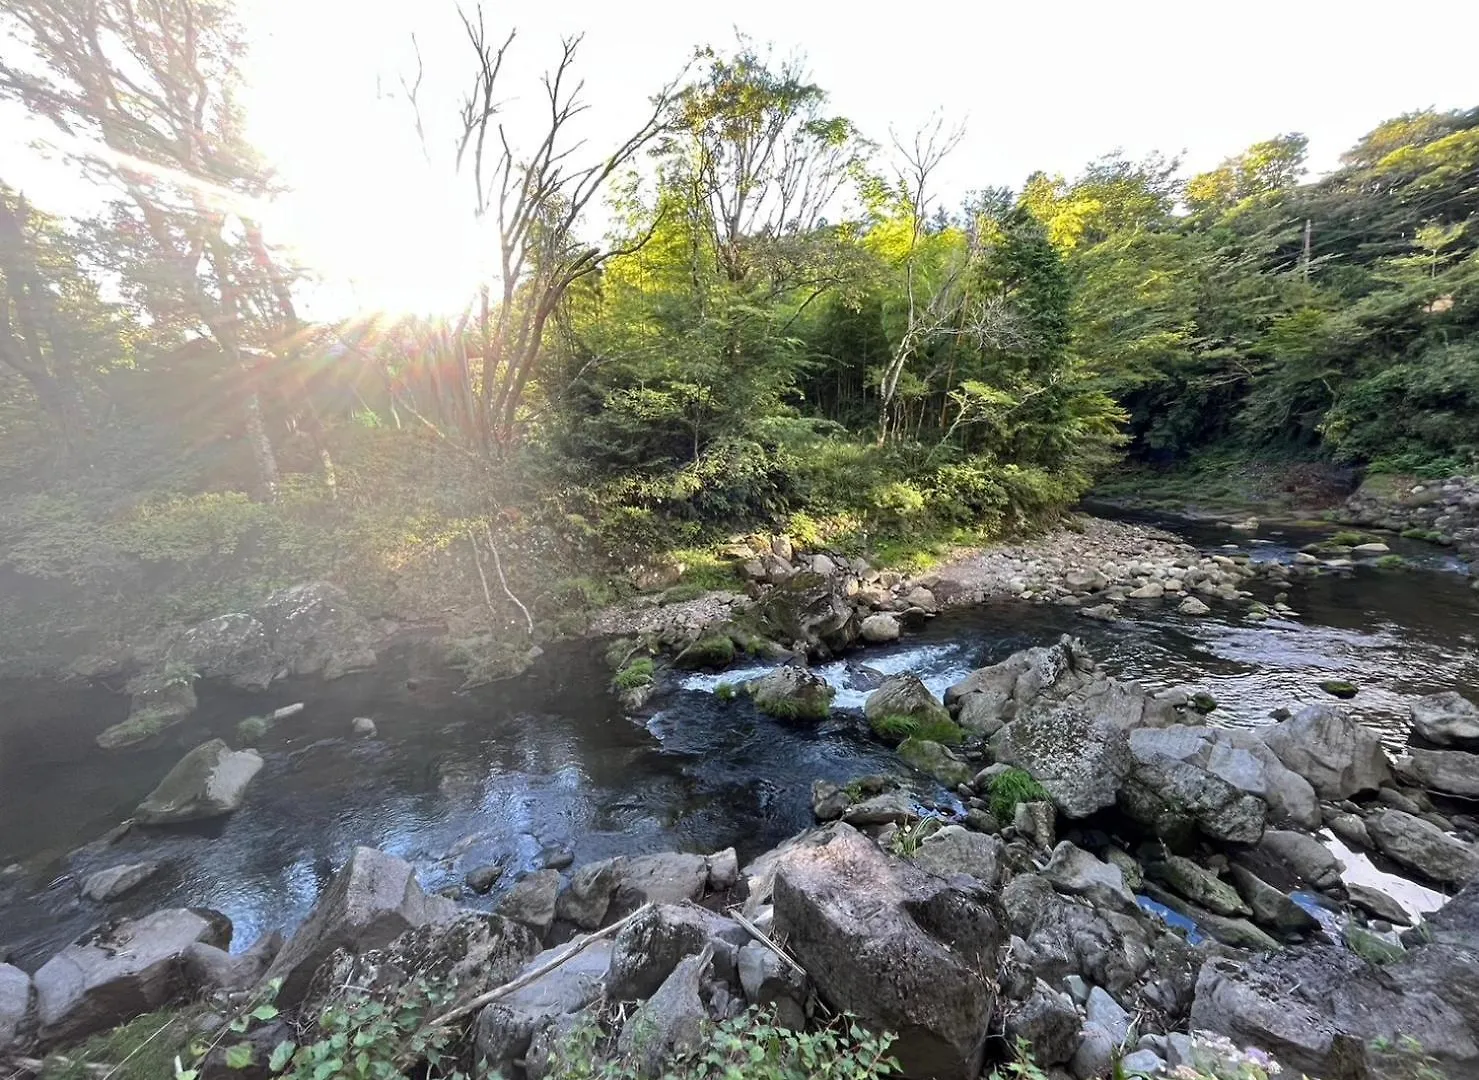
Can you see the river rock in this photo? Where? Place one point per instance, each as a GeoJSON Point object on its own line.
{"type": "Point", "coordinates": [1351, 830]}
{"type": "Point", "coordinates": [1319, 1009]}
{"type": "Point", "coordinates": [647, 950]}
{"type": "Point", "coordinates": [209, 969]}
{"type": "Point", "coordinates": [903, 950]}
{"type": "Point", "coordinates": [127, 968]}
{"type": "Point", "coordinates": [770, 982]}
{"type": "Point", "coordinates": [1075, 871]}
{"type": "Point", "coordinates": [1192, 606]}
{"type": "Point", "coordinates": [1335, 754]}
{"type": "Point", "coordinates": [828, 800]}
{"type": "Point", "coordinates": [792, 692]}
{"type": "Point", "coordinates": [811, 613]}
{"type": "Point", "coordinates": [993, 695]}
{"type": "Point", "coordinates": [1303, 855]}
{"type": "Point", "coordinates": [1447, 719]}
{"type": "Point", "coordinates": [896, 807]}
{"type": "Point", "coordinates": [1198, 885]}
{"type": "Point", "coordinates": [930, 757]}
{"type": "Point", "coordinates": [1151, 590]}
{"type": "Point", "coordinates": [1047, 1021]}
{"type": "Point", "coordinates": [904, 695]}
{"type": "Point", "coordinates": [1377, 904]}
{"type": "Point", "coordinates": [671, 1023]}
{"type": "Point", "coordinates": [1240, 933]}
{"type": "Point", "coordinates": [157, 702]}
{"type": "Point", "coordinates": [1094, 1057]}
{"type": "Point", "coordinates": [371, 901]}
{"type": "Point", "coordinates": [1424, 847]}
{"type": "Point", "coordinates": [1271, 907]}
{"type": "Point", "coordinates": [363, 726]}
{"type": "Point", "coordinates": [616, 886]}
{"type": "Point", "coordinates": [879, 628]}
{"type": "Point", "coordinates": [957, 850]}
{"type": "Point", "coordinates": [532, 901]}
{"type": "Point", "coordinates": [1078, 755]}
{"type": "Point", "coordinates": [1452, 772]}
{"type": "Point", "coordinates": [504, 1029]}
{"type": "Point", "coordinates": [209, 781]}
{"type": "Point", "coordinates": [17, 1009]}
{"type": "Point", "coordinates": [1171, 785]}
{"type": "Point", "coordinates": [1065, 936]}
{"type": "Point", "coordinates": [109, 884]}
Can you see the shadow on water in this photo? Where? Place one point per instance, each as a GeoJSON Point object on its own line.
{"type": "Point", "coordinates": [455, 781]}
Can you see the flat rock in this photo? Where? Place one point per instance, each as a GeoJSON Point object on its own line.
{"type": "Point", "coordinates": [1423, 847]}
{"type": "Point", "coordinates": [957, 850]}
{"type": "Point", "coordinates": [1377, 904]}
{"type": "Point", "coordinates": [1447, 719]}
{"type": "Point", "coordinates": [109, 884]}
{"type": "Point", "coordinates": [130, 967]}
{"type": "Point", "coordinates": [1451, 772]}
{"type": "Point", "coordinates": [1198, 885]}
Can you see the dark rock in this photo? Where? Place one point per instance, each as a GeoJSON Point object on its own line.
{"type": "Point", "coordinates": [1377, 904]}
{"type": "Point", "coordinates": [483, 878]}
{"type": "Point", "coordinates": [1066, 937]}
{"type": "Point", "coordinates": [209, 969]}
{"type": "Point", "coordinates": [1451, 772]}
{"type": "Point", "coordinates": [1075, 871]}
{"type": "Point", "coordinates": [532, 901]}
{"type": "Point", "coordinates": [1047, 1022]}
{"type": "Point", "coordinates": [956, 850]}
{"type": "Point", "coordinates": [792, 692]}
{"type": "Point", "coordinates": [620, 885]}
{"type": "Point", "coordinates": [669, 1024]}
{"type": "Point", "coordinates": [157, 704]}
{"type": "Point", "coordinates": [828, 800]}
{"type": "Point", "coordinates": [504, 1029]}
{"type": "Point", "coordinates": [935, 760]}
{"type": "Point", "coordinates": [128, 968]}
{"type": "Point", "coordinates": [904, 695]}
{"type": "Point", "coordinates": [771, 982]}
{"type": "Point", "coordinates": [371, 901]}
{"type": "Point", "coordinates": [1239, 933]}
{"type": "Point", "coordinates": [1424, 847]}
{"type": "Point", "coordinates": [1270, 907]}
{"type": "Point", "coordinates": [647, 950]}
{"type": "Point", "coordinates": [1303, 856]}
{"type": "Point", "coordinates": [903, 950]}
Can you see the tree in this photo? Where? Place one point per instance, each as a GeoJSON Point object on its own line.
{"type": "Point", "coordinates": [146, 94]}
{"type": "Point", "coordinates": [536, 199]}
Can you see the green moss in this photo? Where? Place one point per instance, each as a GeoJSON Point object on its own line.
{"type": "Point", "coordinates": [896, 728]}
{"type": "Point", "coordinates": [138, 727]}
{"type": "Point", "coordinates": [142, 1049]}
{"type": "Point", "coordinates": [638, 673]}
{"type": "Point", "coordinates": [725, 691]}
{"type": "Point", "coordinates": [1010, 788]}
{"type": "Point", "coordinates": [1348, 538]}
{"type": "Point", "coordinates": [683, 592]}
{"type": "Point", "coordinates": [252, 730]}
{"type": "Point", "coordinates": [1339, 688]}
{"type": "Point", "coordinates": [1431, 536]}
{"type": "Point", "coordinates": [1371, 947]}
{"type": "Point", "coordinates": [809, 708]}
{"type": "Point", "coordinates": [1203, 702]}
{"type": "Point", "coordinates": [712, 650]}
{"type": "Point", "coordinates": [1391, 562]}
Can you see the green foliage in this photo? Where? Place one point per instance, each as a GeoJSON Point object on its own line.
{"type": "Point", "coordinates": [895, 728]}
{"type": "Point", "coordinates": [1010, 787]}
{"type": "Point", "coordinates": [1339, 688]}
{"type": "Point", "coordinates": [725, 691]}
{"type": "Point", "coordinates": [1371, 947]}
{"type": "Point", "coordinates": [1348, 538]}
{"type": "Point", "coordinates": [1404, 1058]}
{"type": "Point", "coordinates": [907, 838]}
{"type": "Point", "coordinates": [144, 1048]}
{"type": "Point", "coordinates": [252, 730]}
{"type": "Point", "coordinates": [711, 650]}
{"type": "Point", "coordinates": [637, 673]}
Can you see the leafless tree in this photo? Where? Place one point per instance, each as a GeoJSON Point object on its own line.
{"type": "Point", "coordinates": [536, 198]}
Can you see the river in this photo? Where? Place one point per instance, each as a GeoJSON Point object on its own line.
{"type": "Point", "coordinates": [454, 781]}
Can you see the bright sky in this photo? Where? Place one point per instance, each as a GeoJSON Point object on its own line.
{"type": "Point", "coordinates": [1039, 87]}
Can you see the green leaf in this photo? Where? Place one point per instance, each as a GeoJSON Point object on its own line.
{"type": "Point", "coordinates": [282, 1053]}
{"type": "Point", "coordinates": [264, 1012]}
{"type": "Point", "coordinates": [327, 1069]}
{"type": "Point", "coordinates": [239, 1056]}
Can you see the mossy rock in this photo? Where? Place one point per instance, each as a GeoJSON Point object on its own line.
{"type": "Point", "coordinates": [713, 650]}
{"type": "Point", "coordinates": [1370, 946]}
{"type": "Point", "coordinates": [1391, 562]}
{"type": "Point", "coordinates": [252, 730]}
{"type": "Point", "coordinates": [792, 693]}
{"type": "Point", "coordinates": [1339, 688]}
{"type": "Point", "coordinates": [933, 758]}
{"type": "Point", "coordinates": [1203, 702]}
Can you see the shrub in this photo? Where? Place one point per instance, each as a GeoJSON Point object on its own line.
{"type": "Point", "coordinates": [1010, 788]}
{"type": "Point", "coordinates": [637, 673]}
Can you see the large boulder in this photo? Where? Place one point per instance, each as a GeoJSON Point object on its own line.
{"type": "Point", "coordinates": [957, 850]}
{"type": "Point", "coordinates": [1077, 872]}
{"type": "Point", "coordinates": [209, 781]}
{"type": "Point", "coordinates": [906, 696]}
{"type": "Point", "coordinates": [810, 613]}
{"type": "Point", "coordinates": [671, 1023]}
{"type": "Point", "coordinates": [209, 968]}
{"type": "Point", "coordinates": [121, 971]}
{"type": "Point", "coordinates": [991, 696]}
{"type": "Point", "coordinates": [1452, 772]}
{"type": "Point", "coordinates": [647, 949]}
{"type": "Point", "coordinates": [159, 700]}
{"type": "Point", "coordinates": [1423, 847]}
{"type": "Point", "coordinates": [532, 901]}
{"type": "Point", "coordinates": [1338, 756]}
{"type": "Point", "coordinates": [505, 1028]}
{"type": "Point", "coordinates": [1447, 719]}
{"type": "Point", "coordinates": [1080, 757]}
{"type": "Point", "coordinates": [1303, 856]}
{"type": "Point", "coordinates": [612, 887]}
{"type": "Point", "coordinates": [879, 628]}
{"type": "Point", "coordinates": [792, 692]}
{"type": "Point", "coordinates": [17, 1009]}
{"type": "Point", "coordinates": [315, 630]}
{"type": "Point", "coordinates": [1447, 966]}
{"type": "Point", "coordinates": [1179, 780]}
{"type": "Point", "coordinates": [371, 901]}
{"type": "Point", "coordinates": [1320, 1010]}
{"type": "Point", "coordinates": [905, 951]}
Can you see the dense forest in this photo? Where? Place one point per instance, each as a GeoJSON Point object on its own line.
{"type": "Point", "coordinates": [783, 325]}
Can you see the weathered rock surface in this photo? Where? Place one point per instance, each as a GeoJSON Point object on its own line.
{"type": "Point", "coordinates": [957, 850]}
{"type": "Point", "coordinates": [156, 704]}
{"type": "Point", "coordinates": [505, 1028]}
{"type": "Point", "coordinates": [1303, 855]}
{"type": "Point", "coordinates": [17, 1009]}
{"type": "Point", "coordinates": [670, 1023]}
{"type": "Point", "coordinates": [128, 968]}
{"type": "Point", "coordinates": [1198, 885]}
{"type": "Point", "coordinates": [1424, 847]}
{"type": "Point", "coordinates": [1047, 1021]}
{"type": "Point", "coordinates": [770, 982]}
{"type": "Point", "coordinates": [209, 969]}
{"type": "Point", "coordinates": [647, 950]}
{"type": "Point", "coordinates": [371, 901]}
{"type": "Point", "coordinates": [1171, 786]}
{"type": "Point", "coordinates": [792, 692]}
{"type": "Point", "coordinates": [1271, 907]}
{"type": "Point", "coordinates": [1452, 772]}
{"type": "Point", "coordinates": [1077, 872]}
{"type": "Point", "coordinates": [905, 951]}
{"type": "Point", "coordinates": [209, 781]}
{"type": "Point", "coordinates": [115, 881]}
{"type": "Point", "coordinates": [1335, 754]}
{"type": "Point", "coordinates": [1447, 719]}
{"type": "Point", "coordinates": [1064, 936]}
{"type": "Point", "coordinates": [879, 628]}
{"type": "Point", "coordinates": [1377, 904]}
{"type": "Point", "coordinates": [904, 695]}
{"type": "Point", "coordinates": [938, 761]}
{"type": "Point", "coordinates": [532, 901]}
{"type": "Point", "coordinates": [616, 886]}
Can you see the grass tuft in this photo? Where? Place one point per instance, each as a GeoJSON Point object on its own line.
{"type": "Point", "coordinates": [1010, 788]}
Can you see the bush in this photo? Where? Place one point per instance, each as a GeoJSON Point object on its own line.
{"type": "Point", "coordinates": [1010, 788]}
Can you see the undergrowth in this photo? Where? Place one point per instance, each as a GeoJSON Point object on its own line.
{"type": "Point", "coordinates": [1010, 788]}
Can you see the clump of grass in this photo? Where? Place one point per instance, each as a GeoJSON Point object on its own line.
{"type": "Point", "coordinates": [711, 650]}
{"type": "Point", "coordinates": [683, 592]}
{"type": "Point", "coordinates": [795, 708]}
{"type": "Point", "coordinates": [725, 691]}
{"type": "Point", "coordinates": [637, 673]}
{"type": "Point", "coordinates": [1347, 538]}
{"type": "Point", "coordinates": [252, 730]}
{"type": "Point", "coordinates": [1010, 788]}
{"type": "Point", "coordinates": [895, 727]}
{"type": "Point", "coordinates": [142, 1049]}
{"type": "Point", "coordinates": [1391, 562]}
{"type": "Point", "coordinates": [1371, 947]}
{"type": "Point", "coordinates": [1431, 536]}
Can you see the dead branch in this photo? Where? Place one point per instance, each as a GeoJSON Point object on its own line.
{"type": "Point", "coordinates": [498, 565]}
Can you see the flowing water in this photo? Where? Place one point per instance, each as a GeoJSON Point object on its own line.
{"type": "Point", "coordinates": [454, 781]}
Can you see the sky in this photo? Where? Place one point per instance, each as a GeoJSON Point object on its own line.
{"type": "Point", "coordinates": [387, 225]}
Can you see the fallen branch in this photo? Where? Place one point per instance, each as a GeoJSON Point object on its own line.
{"type": "Point", "coordinates": [477, 558]}
{"type": "Point", "coordinates": [498, 565]}
{"type": "Point", "coordinates": [451, 1016]}
{"type": "Point", "coordinates": [764, 939]}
